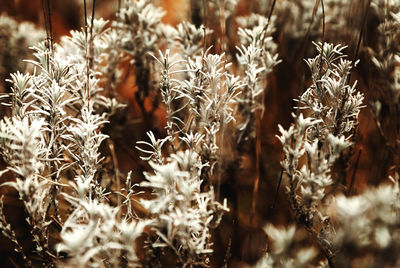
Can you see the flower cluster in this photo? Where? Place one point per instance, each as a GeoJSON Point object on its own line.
{"type": "Point", "coordinates": [198, 89]}
{"type": "Point", "coordinates": [385, 58]}
{"type": "Point", "coordinates": [182, 215]}
{"type": "Point", "coordinates": [318, 140]}
{"type": "Point", "coordinates": [368, 226]}
{"type": "Point", "coordinates": [257, 56]}
{"type": "Point", "coordinates": [285, 252]}
{"type": "Point", "coordinates": [15, 40]}
{"type": "Point", "coordinates": [93, 232]}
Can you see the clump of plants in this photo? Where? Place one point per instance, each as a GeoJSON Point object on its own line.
{"type": "Point", "coordinates": [195, 136]}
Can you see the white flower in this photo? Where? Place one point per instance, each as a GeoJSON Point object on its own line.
{"type": "Point", "coordinates": [382, 237]}
{"type": "Point", "coordinates": [282, 238]}
{"type": "Point", "coordinates": [351, 207]}
{"type": "Point", "coordinates": [76, 239]}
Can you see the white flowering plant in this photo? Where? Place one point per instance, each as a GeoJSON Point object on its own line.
{"type": "Point", "coordinates": [145, 140]}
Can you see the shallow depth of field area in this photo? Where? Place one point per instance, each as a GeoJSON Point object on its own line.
{"type": "Point", "coordinates": [190, 133]}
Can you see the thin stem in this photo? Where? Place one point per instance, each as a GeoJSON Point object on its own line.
{"type": "Point", "coordinates": [304, 45]}
{"type": "Point", "coordinates": [45, 20]}
{"type": "Point", "coordinates": [222, 23]}
{"type": "Point", "coordinates": [50, 25]}
{"type": "Point", "coordinates": [269, 19]}
{"type": "Point", "coordinates": [87, 53]}
{"type": "Point", "coordinates": [323, 19]}
{"type": "Point", "coordinates": [46, 25]}
{"type": "Point", "coordinates": [362, 28]}
{"type": "Point", "coordinates": [322, 46]}
{"type": "Point", "coordinates": [354, 173]}
{"type": "Point", "coordinates": [277, 189]}
{"type": "Point", "coordinates": [114, 157]}
{"type": "Point", "coordinates": [91, 36]}
{"type": "Point", "coordinates": [258, 159]}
